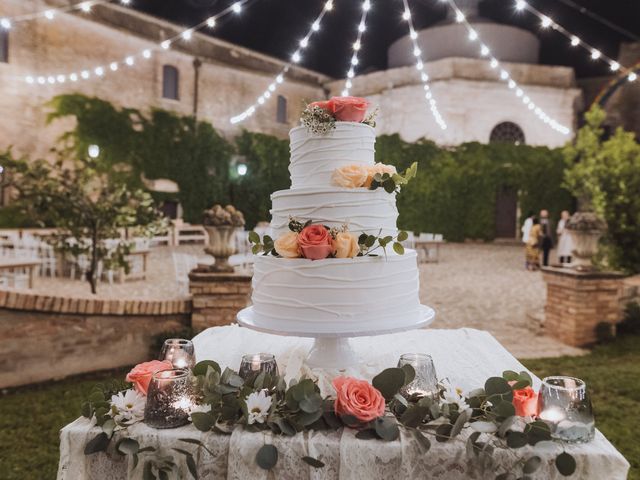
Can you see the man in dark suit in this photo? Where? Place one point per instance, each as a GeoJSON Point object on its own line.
{"type": "Point", "coordinates": [547, 239]}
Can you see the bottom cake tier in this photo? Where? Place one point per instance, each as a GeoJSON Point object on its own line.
{"type": "Point", "coordinates": [336, 295]}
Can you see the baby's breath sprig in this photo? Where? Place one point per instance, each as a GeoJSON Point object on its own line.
{"type": "Point", "coordinates": [317, 120]}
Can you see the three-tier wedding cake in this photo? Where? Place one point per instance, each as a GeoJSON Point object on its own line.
{"type": "Point", "coordinates": [335, 263]}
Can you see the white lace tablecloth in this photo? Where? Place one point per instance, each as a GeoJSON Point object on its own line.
{"type": "Point", "coordinates": [466, 357]}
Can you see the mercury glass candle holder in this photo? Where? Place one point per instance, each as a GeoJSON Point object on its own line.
{"type": "Point", "coordinates": [254, 364]}
{"type": "Point", "coordinates": [425, 383]}
{"type": "Point", "coordinates": [169, 398]}
{"type": "Point", "coordinates": [179, 352]}
{"type": "Point", "coordinates": [564, 404]}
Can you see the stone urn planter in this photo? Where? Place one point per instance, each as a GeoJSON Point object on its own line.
{"type": "Point", "coordinates": [221, 246]}
{"type": "Point", "coordinates": [586, 229]}
{"type": "Point", "coordinates": [221, 225]}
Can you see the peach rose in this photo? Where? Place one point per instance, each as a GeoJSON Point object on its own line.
{"type": "Point", "coordinates": [350, 176]}
{"type": "Point", "coordinates": [358, 398]}
{"type": "Point", "coordinates": [346, 245]}
{"type": "Point", "coordinates": [380, 168]}
{"type": "Point", "coordinates": [315, 242]}
{"type": "Point", "coordinates": [348, 109]}
{"type": "Point", "coordinates": [525, 401]}
{"type": "Point", "coordinates": [141, 374]}
{"type": "Point", "coordinates": [287, 245]}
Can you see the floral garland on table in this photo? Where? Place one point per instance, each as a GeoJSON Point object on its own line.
{"type": "Point", "coordinates": [501, 415]}
{"type": "Point", "coordinates": [378, 175]}
{"type": "Point", "coordinates": [320, 117]}
{"type": "Point", "coordinates": [317, 242]}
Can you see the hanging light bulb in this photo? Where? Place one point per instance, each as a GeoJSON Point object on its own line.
{"type": "Point", "coordinates": [614, 66]}
{"type": "Point", "coordinates": [473, 35]}
{"type": "Point", "coordinates": [85, 7]}
{"type": "Point", "coordinates": [5, 23]}
{"type": "Point", "coordinates": [49, 14]}
{"type": "Point", "coordinates": [484, 51]}
{"type": "Point", "coordinates": [406, 15]}
{"type": "Point", "coordinates": [459, 16]}
{"type": "Point", "coordinates": [545, 22]}
{"type": "Point", "coordinates": [595, 54]}
{"type": "Point", "coordinates": [211, 22]}
{"type": "Point", "coordinates": [520, 5]}
{"type": "Point", "coordinates": [237, 7]}
{"type": "Point", "coordinates": [632, 77]}
{"type": "Point", "coordinates": [575, 41]}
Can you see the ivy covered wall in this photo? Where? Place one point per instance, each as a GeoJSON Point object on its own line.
{"type": "Point", "coordinates": [454, 192]}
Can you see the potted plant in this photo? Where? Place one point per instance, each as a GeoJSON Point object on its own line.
{"type": "Point", "coordinates": [585, 229]}
{"type": "Point", "coordinates": [221, 224]}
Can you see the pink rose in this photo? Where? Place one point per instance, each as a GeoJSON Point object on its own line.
{"type": "Point", "coordinates": [358, 398]}
{"type": "Point", "coordinates": [325, 105]}
{"type": "Point", "coordinates": [315, 242]}
{"type": "Point", "coordinates": [525, 401]}
{"type": "Point", "coordinates": [141, 374]}
{"type": "Point", "coordinates": [348, 109]}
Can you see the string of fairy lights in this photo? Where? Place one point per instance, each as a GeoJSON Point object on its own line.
{"type": "Point", "coordinates": [575, 40]}
{"type": "Point", "coordinates": [504, 74]}
{"type": "Point", "coordinates": [424, 77]}
{"type": "Point", "coordinates": [357, 46]}
{"type": "Point", "coordinates": [296, 57]}
{"type": "Point", "coordinates": [52, 13]}
{"type": "Point", "coordinates": [130, 60]}
{"type": "Point", "coordinates": [98, 71]}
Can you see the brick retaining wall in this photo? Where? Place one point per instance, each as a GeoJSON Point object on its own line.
{"type": "Point", "coordinates": [46, 337]}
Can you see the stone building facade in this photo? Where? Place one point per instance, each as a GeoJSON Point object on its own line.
{"type": "Point", "coordinates": [229, 77]}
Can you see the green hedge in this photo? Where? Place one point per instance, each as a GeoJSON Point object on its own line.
{"type": "Point", "coordinates": [454, 192]}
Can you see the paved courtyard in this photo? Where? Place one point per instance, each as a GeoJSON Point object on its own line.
{"type": "Point", "coordinates": [482, 286]}
{"type": "Point", "coordinates": [486, 286]}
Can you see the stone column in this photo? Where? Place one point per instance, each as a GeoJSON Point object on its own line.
{"type": "Point", "coordinates": [217, 297]}
{"type": "Point", "coordinates": [578, 301]}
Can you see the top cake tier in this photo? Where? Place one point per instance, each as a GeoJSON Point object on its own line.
{"type": "Point", "coordinates": [315, 157]}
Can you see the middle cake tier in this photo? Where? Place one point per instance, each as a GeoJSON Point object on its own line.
{"type": "Point", "coordinates": [362, 210]}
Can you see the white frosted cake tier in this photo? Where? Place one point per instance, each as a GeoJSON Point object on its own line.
{"type": "Point", "coordinates": [336, 295]}
{"type": "Point", "coordinates": [315, 157]}
{"type": "Point", "coordinates": [361, 209]}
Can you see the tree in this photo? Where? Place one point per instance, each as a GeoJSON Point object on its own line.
{"type": "Point", "coordinates": [605, 175]}
{"type": "Point", "coordinates": [86, 206]}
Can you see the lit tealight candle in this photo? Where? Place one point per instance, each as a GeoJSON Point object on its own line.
{"type": "Point", "coordinates": [553, 415]}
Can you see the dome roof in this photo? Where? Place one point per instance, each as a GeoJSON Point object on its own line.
{"type": "Point", "coordinates": [450, 39]}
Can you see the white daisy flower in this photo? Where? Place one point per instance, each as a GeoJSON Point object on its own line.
{"type": "Point", "coordinates": [128, 406]}
{"type": "Point", "coordinates": [454, 395]}
{"type": "Point", "coordinates": [258, 405]}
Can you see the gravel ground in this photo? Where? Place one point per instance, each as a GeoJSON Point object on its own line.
{"type": "Point", "coordinates": [482, 286]}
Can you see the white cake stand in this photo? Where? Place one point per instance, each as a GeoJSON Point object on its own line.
{"type": "Point", "coordinates": [331, 349]}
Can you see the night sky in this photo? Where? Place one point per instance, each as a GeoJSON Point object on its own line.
{"type": "Point", "coordinates": [274, 26]}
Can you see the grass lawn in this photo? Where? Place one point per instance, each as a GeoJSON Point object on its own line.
{"type": "Point", "coordinates": [30, 418]}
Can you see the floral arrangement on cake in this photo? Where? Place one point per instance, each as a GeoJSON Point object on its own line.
{"type": "Point", "coordinates": [378, 175]}
{"type": "Point", "coordinates": [315, 241]}
{"type": "Point", "coordinates": [321, 117]}
{"type": "Point", "coordinates": [500, 415]}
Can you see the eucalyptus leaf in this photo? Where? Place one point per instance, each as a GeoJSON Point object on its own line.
{"type": "Point", "coordinates": [413, 416]}
{"type": "Point", "coordinates": [387, 428]}
{"type": "Point", "coordinates": [127, 446]}
{"type": "Point", "coordinates": [443, 432]}
{"type": "Point", "coordinates": [311, 403]}
{"type": "Point", "coordinates": [99, 443]}
{"type": "Point", "coordinates": [565, 464]}
{"type": "Point", "coordinates": [423, 441]}
{"type": "Point", "coordinates": [201, 367]}
{"type": "Point", "coordinates": [147, 471]}
{"type": "Point", "coordinates": [516, 439]}
{"type": "Point", "coordinates": [389, 382]}
{"type": "Point", "coordinates": [497, 386]}
{"type": "Point", "coordinates": [409, 373]}
{"type": "Point", "coordinates": [108, 427]}
{"type": "Point", "coordinates": [398, 248]}
{"type": "Point", "coordinates": [254, 237]}
{"type": "Point", "coordinates": [506, 476]}
{"type": "Point", "coordinates": [366, 434]}
{"type": "Point", "coordinates": [510, 375]}
{"type": "Point", "coordinates": [267, 457]}
{"type": "Point", "coordinates": [506, 424]}
{"type": "Point", "coordinates": [256, 249]}
{"type": "Point", "coordinates": [460, 422]}
{"type": "Point", "coordinates": [314, 462]}
{"type": "Point", "coordinates": [191, 465]}
{"type": "Point", "coordinates": [504, 409]}
{"type": "Point", "coordinates": [203, 421]}
{"type": "Point", "coordinates": [402, 236]}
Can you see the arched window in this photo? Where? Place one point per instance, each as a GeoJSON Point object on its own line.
{"type": "Point", "coordinates": [170, 82]}
{"type": "Point", "coordinates": [4, 46]}
{"type": "Point", "coordinates": [507, 132]}
{"type": "Point", "coordinates": [281, 114]}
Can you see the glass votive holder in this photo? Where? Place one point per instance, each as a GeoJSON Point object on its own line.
{"type": "Point", "coordinates": [179, 352]}
{"type": "Point", "coordinates": [169, 398]}
{"type": "Point", "coordinates": [254, 364]}
{"type": "Point", "coordinates": [425, 383]}
{"type": "Point", "coordinates": [565, 405]}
